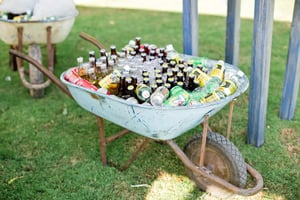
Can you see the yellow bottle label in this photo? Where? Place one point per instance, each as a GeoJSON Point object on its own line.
{"type": "Point", "coordinates": [228, 87]}
{"type": "Point", "coordinates": [218, 71]}
{"type": "Point", "coordinates": [201, 77]}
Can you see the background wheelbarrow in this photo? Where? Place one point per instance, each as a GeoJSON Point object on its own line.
{"type": "Point", "coordinates": [210, 159]}
{"type": "Point", "coordinates": [17, 34]}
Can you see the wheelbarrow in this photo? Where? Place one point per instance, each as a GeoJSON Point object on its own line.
{"type": "Point", "coordinates": [210, 159]}
{"type": "Point", "coordinates": [34, 33]}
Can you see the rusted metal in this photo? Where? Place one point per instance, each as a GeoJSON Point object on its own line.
{"type": "Point", "coordinates": [215, 180]}
{"type": "Point", "coordinates": [102, 142]}
{"type": "Point", "coordinates": [20, 45]}
{"type": "Point", "coordinates": [203, 142]}
{"type": "Point", "coordinates": [229, 122]}
{"type": "Point", "coordinates": [45, 71]}
{"type": "Point", "coordinates": [91, 39]}
{"type": "Point", "coordinates": [135, 154]}
{"type": "Point", "coordinates": [50, 49]}
{"type": "Point", "coordinates": [116, 135]}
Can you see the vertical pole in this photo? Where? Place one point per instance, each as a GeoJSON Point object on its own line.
{"type": "Point", "coordinates": [260, 69]}
{"type": "Point", "coordinates": [190, 27]}
{"type": "Point", "coordinates": [292, 73]}
{"type": "Point", "coordinates": [232, 31]}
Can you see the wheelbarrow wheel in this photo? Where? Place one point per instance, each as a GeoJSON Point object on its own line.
{"type": "Point", "coordinates": [222, 159]}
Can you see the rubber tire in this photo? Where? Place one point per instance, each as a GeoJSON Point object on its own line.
{"type": "Point", "coordinates": [222, 159]}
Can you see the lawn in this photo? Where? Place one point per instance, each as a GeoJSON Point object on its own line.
{"type": "Point", "coordinates": [49, 146]}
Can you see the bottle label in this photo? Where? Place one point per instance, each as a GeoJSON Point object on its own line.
{"type": "Point", "coordinates": [218, 71]}
{"type": "Point", "coordinates": [202, 78]}
{"type": "Point", "coordinates": [179, 97]}
{"type": "Point", "coordinates": [143, 92]}
{"type": "Point", "coordinates": [210, 98]}
{"type": "Point", "coordinates": [228, 87]}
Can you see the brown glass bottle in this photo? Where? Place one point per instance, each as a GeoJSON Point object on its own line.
{"type": "Point", "coordinates": [138, 42]}
{"type": "Point", "coordinates": [191, 84]}
{"type": "Point", "coordinates": [122, 86]}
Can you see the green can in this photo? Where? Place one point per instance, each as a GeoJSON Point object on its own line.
{"type": "Point", "coordinates": [178, 97]}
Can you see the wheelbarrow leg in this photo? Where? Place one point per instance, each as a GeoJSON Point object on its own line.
{"type": "Point", "coordinates": [202, 150]}
{"type": "Point", "coordinates": [231, 105]}
{"type": "Point", "coordinates": [50, 49]}
{"type": "Point", "coordinates": [102, 141]}
{"type": "Point", "coordinates": [20, 47]}
{"type": "Point", "coordinates": [13, 59]}
{"type": "Point", "coordinates": [136, 153]}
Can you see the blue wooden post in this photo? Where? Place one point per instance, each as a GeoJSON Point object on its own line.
{"type": "Point", "coordinates": [292, 73]}
{"type": "Point", "coordinates": [233, 32]}
{"type": "Point", "coordinates": [260, 70]}
{"type": "Point", "coordinates": [190, 27]}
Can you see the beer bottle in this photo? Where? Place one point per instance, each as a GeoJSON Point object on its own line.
{"type": "Point", "coordinates": [146, 80]}
{"type": "Point", "coordinates": [131, 97]}
{"type": "Point", "coordinates": [92, 77]}
{"type": "Point", "coordinates": [138, 42]}
{"type": "Point", "coordinates": [159, 82]}
{"type": "Point", "coordinates": [218, 71]}
{"type": "Point", "coordinates": [165, 68]}
{"type": "Point", "coordinates": [122, 86]}
{"type": "Point", "coordinates": [113, 50]}
{"type": "Point", "coordinates": [130, 91]}
{"type": "Point", "coordinates": [153, 87]}
{"type": "Point", "coordinates": [158, 76]}
{"type": "Point", "coordinates": [124, 50]}
{"type": "Point", "coordinates": [203, 78]}
{"type": "Point", "coordinates": [113, 87]}
{"type": "Point", "coordinates": [168, 85]}
{"type": "Point", "coordinates": [191, 84]}
{"type": "Point", "coordinates": [92, 62]}
{"type": "Point", "coordinates": [175, 71]}
{"type": "Point", "coordinates": [215, 96]}
{"type": "Point", "coordinates": [97, 70]}
{"type": "Point", "coordinates": [146, 48]}
{"type": "Point", "coordinates": [144, 56]}
{"type": "Point", "coordinates": [180, 84]}
{"type": "Point", "coordinates": [82, 68]}
{"type": "Point", "coordinates": [229, 86]}
{"type": "Point", "coordinates": [103, 52]}
{"type": "Point", "coordinates": [92, 54]}
{"type": "Point", "coordinates": [171, 81]}
{"type": "Point", "coordinates": [179, 77]}
{"type": "Point", "coordinates": [209, 84]}
{"type": "Point", "coordinates": [172, 63]}
{"type": "Point", "coordinates": [134, 80]}
{"type": "Point", "coordinates": [181, 67]}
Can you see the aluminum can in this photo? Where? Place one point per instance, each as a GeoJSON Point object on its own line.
{"type": "Point", "coordinates": [159, 96]}
{"type": "Point", "coordinates": [143, 92]}
{"type": "Point", "coordinates": [178, 97]}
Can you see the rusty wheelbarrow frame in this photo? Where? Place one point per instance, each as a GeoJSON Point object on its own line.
{"type": "Point", "coordinates": [198, 169]}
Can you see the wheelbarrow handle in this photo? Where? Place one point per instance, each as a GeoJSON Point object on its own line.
{"type": "Point", "coordinates": [45, 71]}
{"type": "Point", "coordinates": [92, 40]}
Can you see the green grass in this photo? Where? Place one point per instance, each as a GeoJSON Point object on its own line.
{"type": "Point", "coordinates": [46, 154]}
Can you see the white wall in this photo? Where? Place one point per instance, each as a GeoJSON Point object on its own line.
{"type": "Point", "coordinates": [283, 8]}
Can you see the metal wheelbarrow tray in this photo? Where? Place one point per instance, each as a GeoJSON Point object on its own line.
{"type": "Point", "coordinates": [210, 159]}
{"type": "Point", "coordinates": [34, 31]}
{"type": "Point", "coordinates": [160, 123]}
